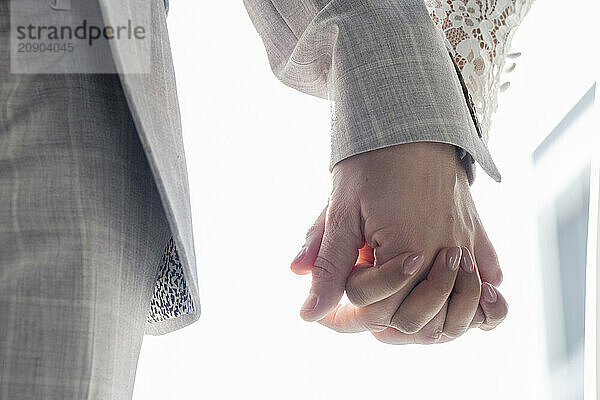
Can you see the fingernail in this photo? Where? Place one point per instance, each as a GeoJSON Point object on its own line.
{"type": "Point", "coordinates": [453, 258]}
{"type": "Point", "coordinates": [300, 255]}
{"type": "Point", "coordinates": [310, 303]}
{"type": "Point", "coordinates": [489, 293]}
{"type": "Point", "coordinates": [412, 263]}
{"type": "Point", "coordinates": [467, 261]}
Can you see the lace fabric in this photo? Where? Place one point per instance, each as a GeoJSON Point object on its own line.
{"type": "Point", "coordinates": [478, 35]}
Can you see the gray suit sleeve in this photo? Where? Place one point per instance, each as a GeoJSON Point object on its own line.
{"type": "Point", "coordinates": [384, 66]}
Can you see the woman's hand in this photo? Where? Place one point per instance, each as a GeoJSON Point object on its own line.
{"type": "Point", "coordinates": [440, 308]}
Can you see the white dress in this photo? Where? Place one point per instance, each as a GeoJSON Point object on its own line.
{"type": "Point", "coordinates": [478, 35]}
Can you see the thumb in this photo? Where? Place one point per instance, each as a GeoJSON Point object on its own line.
{"type": "Point", "coordinates": [305, 259]}
{"type": "Point", "coordinates": [336, 257]}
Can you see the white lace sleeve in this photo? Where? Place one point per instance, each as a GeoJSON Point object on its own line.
{"type": "Point", "coordinates": [478, 34]}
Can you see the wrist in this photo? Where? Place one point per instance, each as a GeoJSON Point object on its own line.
{"type": "Point", "coordinates": [431, 168]}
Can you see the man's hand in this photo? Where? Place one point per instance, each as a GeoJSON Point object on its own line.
{"type": "Point", "coordinates": [411, 198]}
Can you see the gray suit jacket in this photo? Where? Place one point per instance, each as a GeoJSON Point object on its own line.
{"type": "Point", "coordinates": [152, 99]}
{"type": "Point", "coordinates": [382, 64]}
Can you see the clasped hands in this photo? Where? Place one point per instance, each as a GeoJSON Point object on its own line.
{"type": "Point", "coordinates": [402, 237]}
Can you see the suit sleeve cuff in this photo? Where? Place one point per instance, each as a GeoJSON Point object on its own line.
{"type": "Point", "coordinates": [392, 81]}
{"type": "Point", "coordinates": [410, 98]}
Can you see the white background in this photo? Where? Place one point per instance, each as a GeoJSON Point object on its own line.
{"type": "Point", "coordinates": [258, 153]}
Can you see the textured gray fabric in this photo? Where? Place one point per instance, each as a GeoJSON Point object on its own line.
{"type": "Point", "coordinates": [82, 230]}
{"type": "Point", "coordinates": [152, 99]}
{"type": "Point", "coordinates": [382, 63]}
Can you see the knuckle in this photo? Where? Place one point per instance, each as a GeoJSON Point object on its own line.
{"type": "Point", "coordinates": [455, 331]}
{"type": "Point", "coordinates": [499, 312]}
{"type": "Point", "coordinates": [362, 293]}
{"type": "Point", "coordinates": [324, 270]}
{"type": "Point", "coordinates": [384, 339]}
{"type": "Point", "coordinates": [472, 297]}
{"type": "Point", "coordinates": [428, 340]}
{"type": "Point", "coordinates": [494, 256]}
{"type": "Point", "coordinates": [489, 327]}
{"type": "Point", "coordinates": [431, 336]}
{"type": "Point", "coordinates": [390, 245]}
{"type": "Point", "coordinates": [501, 316]}
{"type": "Point", "coordinates": [450, 217]}
{"type": "Point", "coordinates": [499, 276]}
{"type": "Point", "coordinates": [478, 319]}
{"type": "Point", "coordinates": [440, 288]}
{"type": "Point", "coordinates": [399, 237]}
{"type": "Point", "coordinates": [470, 293]}
{"type": "Point", "coordinates": [496, 319]}
{"type": "Point", "coordinates": [374, 326]}
{"type": "Point", "coordinates": [405, 324]}
{"type": "Point", "coordinates": [374, 317]}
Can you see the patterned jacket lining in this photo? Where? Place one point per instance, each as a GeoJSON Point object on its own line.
{"type": "Point", "coordinates": [171, 296]}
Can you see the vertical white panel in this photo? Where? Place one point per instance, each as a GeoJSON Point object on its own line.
{"type": "Point", "coordinates": [593, 265]}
